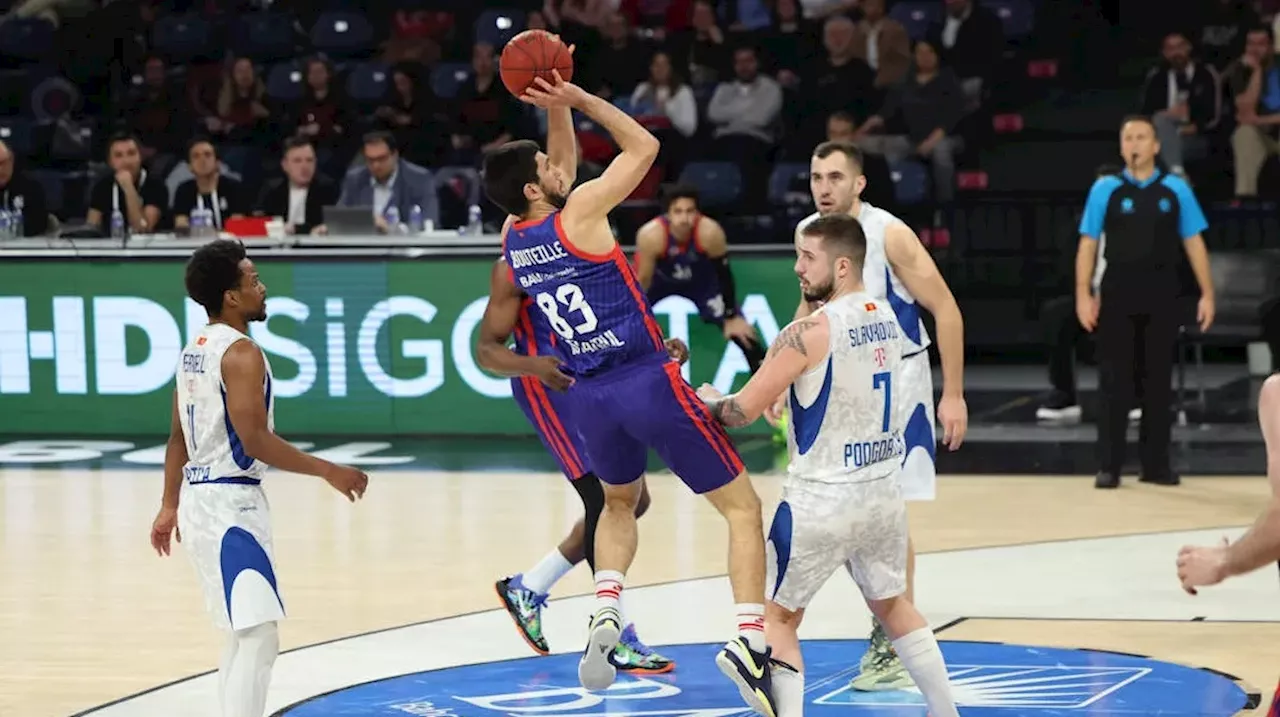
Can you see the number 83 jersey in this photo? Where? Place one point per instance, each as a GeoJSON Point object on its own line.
{"type": "Point", "coordinates": [599, 316]}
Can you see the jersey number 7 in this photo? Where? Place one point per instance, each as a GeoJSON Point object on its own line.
{"type": "Point", "coordinates": [879, 380]}
{"type": "Point", "coordinates": [569, 296]}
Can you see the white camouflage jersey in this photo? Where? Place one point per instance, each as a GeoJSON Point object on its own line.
{"type": "Point", "coordinates": [844, 426]}
{"type": "Point", "coordinates": [215, 453]}
{"type": "Point", "coordinates": [879, 280]}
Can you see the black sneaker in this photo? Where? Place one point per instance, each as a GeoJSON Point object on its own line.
{"type": "Point", "coordinates": [1162, 478]}
{"type": "Point", "coordinates": [752, 672]}
{"type": "Point", "coordinates": [1107, 479]}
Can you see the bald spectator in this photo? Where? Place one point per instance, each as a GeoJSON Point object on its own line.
{"type": "Point", "coordinates": [21, 194]}
{"type": "Point", "coordinates": [138, 195]}
{"type": "Point", "coordinates": [882, 43]}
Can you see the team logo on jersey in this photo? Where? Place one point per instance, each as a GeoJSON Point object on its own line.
{"type": "Point", "coordinates": [200, 341]}
{"type": "Point", "coordinates": [879, 355]}
{"type": "Point", "coordinates": [988, 680]}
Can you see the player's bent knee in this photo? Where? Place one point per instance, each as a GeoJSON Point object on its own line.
{"type": "Point", "coordinates": [775, 614]}
{"type": "Point", "coordinates": [622, 497]}
{"type": "Point", "coordinates": [737, 498]}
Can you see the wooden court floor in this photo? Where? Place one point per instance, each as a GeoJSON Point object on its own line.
{"type": "Point", "coordinates": [88, 613]}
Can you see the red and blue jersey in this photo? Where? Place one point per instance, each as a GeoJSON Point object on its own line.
{"type": "Point", "coordinates": [593, 312]}
{"type": "Point", "coordinates": [685, 264]}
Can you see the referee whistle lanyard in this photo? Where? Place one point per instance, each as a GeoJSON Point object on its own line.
{"type": "Point", "coordinates": [216, 206]}
{"type": "Point", "coordinates": [115, 190]}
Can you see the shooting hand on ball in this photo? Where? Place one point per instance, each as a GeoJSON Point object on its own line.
{"type": "Point", "coordinates": [558, 94]}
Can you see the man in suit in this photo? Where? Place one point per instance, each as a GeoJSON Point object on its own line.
{"type": "Point", "coordinates": [301, 196]}
{"type": "Point", "coordinates": [386, 180]}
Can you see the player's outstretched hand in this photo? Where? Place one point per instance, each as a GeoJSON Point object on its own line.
{"type": "Point", "coordinates": [348, 481]}
{"type": "Point", "coordinates": [1200, 567]}
{"type": "Point", "coordinates": [677, 350]}
{"type": "Point", "coordinates": [163, 528]}
{"type": "Point", "coordinates": [553, 94]}
{"type": "Point", "coordinates": [548, 371]}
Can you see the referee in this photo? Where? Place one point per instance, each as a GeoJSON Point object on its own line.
{"type": "Point", "coordinates": [1149, 218]}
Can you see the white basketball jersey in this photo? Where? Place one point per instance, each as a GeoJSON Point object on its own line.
{"type": "Point", "coordinates": [879, 280]}
{"type": "Point", "coordinates": [844, 426]}
{"type": "Point", "coordinates": [214, 451]}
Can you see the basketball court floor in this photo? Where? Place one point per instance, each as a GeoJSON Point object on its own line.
{"type": "Point", "coordinates": [1051, 597]}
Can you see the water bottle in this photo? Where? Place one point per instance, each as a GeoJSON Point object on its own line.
{"type": "Point", "coordinates": [207, 223]}
{"type": "Point", "coordinates": [415, 220]}
{"type": "Point", "coordinates": [117, 225]}
{"type": "Point", "coordinates": [17, 227]}
{"type": "Point", "coordinates": [474, 227]}
{"type": "Point", "coordinates": [393, 219]}
{"type": "Point", "coordinates": [197, 223]}
{"type": "Point", "coordinates": [5, 229]}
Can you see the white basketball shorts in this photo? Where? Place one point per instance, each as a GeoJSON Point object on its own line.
{"type": "Point", "coordinates": [919, 476]}
{"type": "Point", "coordinates": [226, 531]}
{"type": "Point", "coordinates": [820, 527]}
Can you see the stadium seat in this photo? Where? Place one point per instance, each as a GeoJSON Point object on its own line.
{"type": "Point", "coordinates": [917, 15]}
{"type": "Point", "coordinates": [498, 25]}
{"type": "Point", "coordinates": [783, 179]}
{"type": "Point", "coordinates": [180, 38]}
{"type": "Point", "coordinates": [26, 39]}
{"type": "Point", "coordinates": [263, 36]}
{"type": "Point", "coordinates": [718, 183]}
{"type": "Point", "coordinates": [448, 77]}
{"type": "Point", "coordinates": [342, 34]}
{"type": "Point", "coordinates": [368, 82]}
{"type": "Point", "coordinates": [910, 181]}
{"type": "Point", "coordinates": [1018, 16]}
{"type": "Point", "coordinates": [285, 82]}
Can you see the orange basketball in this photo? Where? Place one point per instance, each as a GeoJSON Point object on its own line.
{"type": "Point", "coordinates": [533, 54]}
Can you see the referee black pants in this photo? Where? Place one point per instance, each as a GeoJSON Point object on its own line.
{"type": "Point", "coordinates": [1136, 340]}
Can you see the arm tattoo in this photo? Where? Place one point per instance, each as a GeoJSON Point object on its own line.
{"type": "Point", "coordinates": [793, 337]}
{"type": "Point", "coordinates": [728, 412]}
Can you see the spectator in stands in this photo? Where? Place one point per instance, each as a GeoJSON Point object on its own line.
{"type": "Point", "coordinates": [575, 18]}
{"type": "Point", "coordinates": [837, 82]}
{"type": "Point", "coordinates": [302, 194]}
{"type": "Point", "coordinates": [487, 115]}
{"type": "Point", "coordinates": [620, 63]}
{"type": "Point", "coordinates": [155, 112]}
{"type": "Point", "coordinates": [879, 192]}
{"type": "Point", "coordinates": [882, 43]}
{"type": "Point", "coordinates": [1220, 27]}
{"type": "Point", "coordinates": [971, 41]}
{"type": "Point", "coordinates": [386, 180]}
{"type": "Point", "coordinates": [138, 195]}
{"type": "Point", "coordinates": [745, 112]}
{"type": "Point", "coordinates": [413, 113]}
{"type": "Point", "coordinates": [1254, 81]}
{"type": "Point", "coordinates": [20, 194]}
{"type": "Point", "coordinates": [789, 44]}
{"type": "Point", "coordinates": [822, 9]}
{"type": "Point", "coordinates": [666, 106]}
{"type": "Point", "coordinates": [657, 19]}
{"type": "Point", "coordinates": [702, 47]}
{"type": "Point", "coordinates": [243, 117]}
{"type": "Point", "coordinates": [742, 16]}
{"type": "Point", "coordinates": [207, 190]}
{"type": "Point", "coordinates": [1184, 98]}
{"type": "Point", "coordinates": [322, 113]}
{"type": "Point", "coordinates": [928, 105]}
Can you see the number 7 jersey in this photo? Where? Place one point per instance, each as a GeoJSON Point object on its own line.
{"type": "Point", "coordinates": [599, 316]}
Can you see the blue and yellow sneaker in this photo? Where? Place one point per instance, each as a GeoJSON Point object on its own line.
{"type": "Point", "coordinates": [752, 672]}
{"type": "Point", "coordinates": [632, 655]}
{"type": "Point", "coordinates": [525, 608]}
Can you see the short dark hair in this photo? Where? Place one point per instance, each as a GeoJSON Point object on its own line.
{"type": "Point", "coordinates": [119, 137]}
{"type": "Point", "coordinates": [381, 137]}
{"type": "Point", "coordinates": [202, 140]}
{"type": "Point", "coordinates": [213, 270]}
{"type": "Point", "coordinates": [507, 169]}
{"type": "Point", "coordinates": [672, 192]}
{"type": "Point", "coordinates": [297, 141]}
{"type": "Point", "coordinates": [849, 149]}
{"type": "Point", "coordinates": [1138, 118]}
{"type": "Point", "coordinates": [841, 235]}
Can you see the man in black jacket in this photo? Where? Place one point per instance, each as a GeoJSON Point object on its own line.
{"type": "Point", "coordinates": [1184, 99]}
{"type": "Point", "coordinates": [19, 194]}
{"type": "Point", "coordinates": [301, 195]}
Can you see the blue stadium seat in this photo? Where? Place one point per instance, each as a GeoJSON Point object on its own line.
{"type": "Point", "coordinates": [368, 82]}
{"type": "Point", "coordinates": [917, 16]}
{"type": "Point", "coordinates": [448, 77]}
{"type": "Point", "coordinates": [285, 82]}
{"type": "Point", "coordinates": [263, 36]}
{"type": "Point", "coordinates": [910, 181]}
{"type": "Point", "coordinates": [498, 25]}
{"type": "Point", "coordinates": [26, 39]}
{"type": "Point", "coordinates": [1018, 16]}
{"type": "Point", "coordinates": [180, 38]}
{"type": "Point", "coordinates": [16, 132]}
{"type": "Point", "coordinates": [342, 34]}
{"type": "Point", "coordinates": [718, 183]}
{"type": "Point", "coordinates": [786, 175]}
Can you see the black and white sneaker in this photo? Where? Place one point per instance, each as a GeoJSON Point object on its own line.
{"type": "Point", "coordinates": [752, 672]}
{"type": "Point", "coordinates": [1059, 407]}
{"type": "Point", "coordinates": [595, 671]}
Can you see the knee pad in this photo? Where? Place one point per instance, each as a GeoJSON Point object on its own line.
{"type": "Point", "coordinates": [592, 495]}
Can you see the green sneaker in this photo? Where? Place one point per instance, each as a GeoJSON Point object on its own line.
{"type": "Point", "coordinates": [880, 668]}
{"type": "Point", "coordinates": [525, 608]}
{"type": "Point", "coordinates": [632, 655]}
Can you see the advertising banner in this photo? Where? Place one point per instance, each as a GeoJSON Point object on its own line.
{"type": "Point", "coordinates": [358, 347]}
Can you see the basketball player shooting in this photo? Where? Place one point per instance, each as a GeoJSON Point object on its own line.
{"type": "Point", "coordinates": [842, 501]}
{"type": "Point", "coordinates": [221, 440]}
{"type": "Point", "coordinates": [683, 252]}
{"type": "Point", "coordinates": [563, 253]}
{"type": "Point", "coordinates": [899, 271]}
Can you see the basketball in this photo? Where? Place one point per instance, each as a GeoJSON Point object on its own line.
{"type": "Point", "coordinates": [533, 54]}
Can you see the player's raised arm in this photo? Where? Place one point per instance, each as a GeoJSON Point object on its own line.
{"type": "Point", "coordinates": [499, 320]}
{"type": "Point", "coordinates": [798, 348]}
{"type": "Point", "coordinates": [175, 457]}
{"type": "Point", "coordinates": [650, 242]}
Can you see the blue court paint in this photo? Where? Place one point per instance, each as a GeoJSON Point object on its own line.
{"type": "Point", "coordinates": [988, 680]}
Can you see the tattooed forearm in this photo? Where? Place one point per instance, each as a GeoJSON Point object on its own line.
{"type": "Point", "coordinates": [728, 412]}
{"type": "Point", "coordinates": [793, 337]}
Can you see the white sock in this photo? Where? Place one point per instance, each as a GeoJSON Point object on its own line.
{"type": "Point", "coordinates": [751, 625]}
{"type": "Point", "coordinates": [245, 692]}
{"type": "Point", "coordinates": [624, 611]}
{"type": "Point", "coordinates": [546, 573]}
{"type": "Point", "coordinates": [788, 691]}
{"type": "Point", "coordinates": [919, 653]}
{"type": "Point", "coordinates": [608, 589]}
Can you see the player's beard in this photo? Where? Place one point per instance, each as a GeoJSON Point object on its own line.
{"type": "Point", "coordinates": [260, 314]}
{"type": "Point", "coordinates": [556, 199]}
{"type": "Point", "coordinates": [819, 292]}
